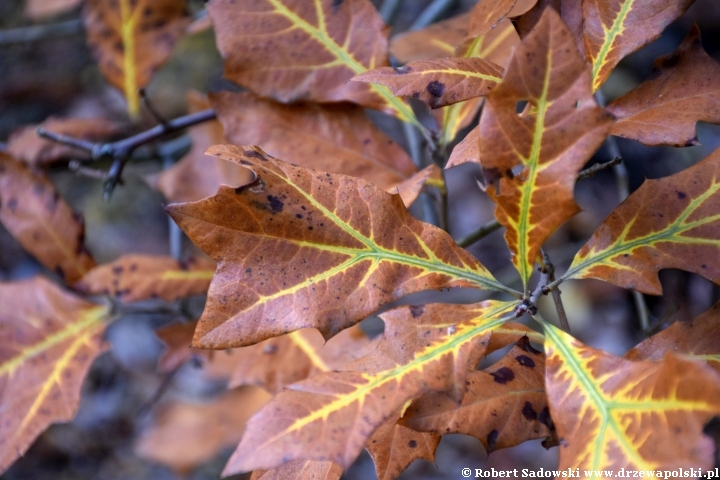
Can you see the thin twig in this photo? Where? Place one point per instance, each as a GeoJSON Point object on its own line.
{"type": "Point", "coordinates": [431, 13]}
{"type": "Point", "coordinates": [119, 152]}
{"type": "Point", "coordinates": [592, 171]}
{"type": "Point", "coordinates": [150, 107]}
{"type": "Point", "coordinates": [78, 168]}
{"type": "Point", "coordinates": [479, 234]}
{"type": "Point", "coordinates": [556, 293]}
{"type": "Point", "coordinates": [36, 33]}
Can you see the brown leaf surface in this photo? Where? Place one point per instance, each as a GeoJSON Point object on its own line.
{"type": "Point", "coordinates": [281, 361]}
{"type": "Point", "coordinates": [26, 145]}
{"type": "Point", "coordinates": [46, 226]}
{"type": "Point", "coordinates": [504, 405]}
{"type": "Point", "coordinates": [41, 9]}
{"type": "Point", "coordinates": [683, 90]}
{"type": "Point", "coordinates": [330, 266]}
{"type": "Point", "coordinates": [570, 11]}
{"type": "Point", "coordinates": [301, 470]}
{"type": "Point", "coordinates": [438, 82]}
{"type": "Point", "coordinates": [394, 447]}
{"type": "Point", "coordinates": [332, 415]}
{"type": "Point", "coordinates": [296, 50]}
{"type": "Point", "coordinates": [132, 278]}
{"type": "Point", "coordinates": [333, 138]}
{"type": "Point", "coordinates": [468, 150]}
{"type": "Point", "coordinates": [48, 339]}
{"type": "Point", "coordinates": [699, 338]}
{"type": "Point", "coordinates": [611, 413]}
{"type": "Point", "coordinates": [437, 40]}
{"type": "Point", "coordinates": [488, 13]}
{"type": "Point", "coordinates": [186, 435]}
{"type": "Point", "coordinates": [530, 161]}
{"type": "Point", "coordinates": [671, 222]}
{"type": "Point", "coordinates": [177, 338]}
{"type": "Point", "coordinates": [410, 189]}
{"type": "Point", "coordinates": [197, 175]}
{"type": "Point", "coordinates": [614, 29]}
{"type": "Point", "coordinates": [131, 39]}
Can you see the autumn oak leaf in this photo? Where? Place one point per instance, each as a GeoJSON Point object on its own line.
{"type": "Point", "coordinates": [131, 39]}
{"type": "Point", "coordinates": [438, 82]}
{"type": "Point", "coordinates": [611, 413]}
{"type": "Point", "coordinates": [332, 415]}
{"type": "Point", "coordinates": [34, 213]}
{"type": "Point", "coordinates": [530, 161]}
{"type": "Point", "coordinates": [613, 29]}
{"type": "Point", "coordinates": [394, 447]}
{"type": "Point", "coordinates": [48, 340]}
{"type": "Point", "coordinates": [670, 222]}
{"type": "Point", "coordinates": [295, 50]}
{"type": "Point", "coordinates": [683, 90]}
{"type": "Point", "coordinates": [339, 248]}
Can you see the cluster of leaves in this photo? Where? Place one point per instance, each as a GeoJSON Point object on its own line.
{"type": "Point", "coordinates": [307, 249]}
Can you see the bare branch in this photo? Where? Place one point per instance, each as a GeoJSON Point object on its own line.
{"type": "Point", "coordinates": [119, 152]}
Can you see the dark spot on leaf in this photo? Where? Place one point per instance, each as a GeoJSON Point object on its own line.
{"type": "Point", "coordinates": [545, 419]}
{"type": "Point", "coordinates": [297, 215]}
{"type": "Point", "coordinates": [276, 205]}
{"type": "Point", "coordinates": [12, 204]}
{"type": "Point", "coordinates": [525, 361]}
{"type": "Point", "coordinates": [524, 343]}
{"type": "Point", "coordinates": [412, 444]}
{"type": "Point", "coordinates": [681, 195]}
{"type": "Point", "coordinates": [529, 412]}
{"type": "Point", "coordinates": [248, 270]}
{"type": "Point", "coordinates": [491, 440]}
{"type": "Point", "coordinates": [254, 154]}
{"type": "Point", "coordinates": [503, 375]}
{"type": "Point", "coordinates": [436, 89]}
{"type": "Point", "coordinates": [336, 4]}
{"type": "Point", "coordinates": [117, 270]}
{"type": "Point", "coordinates": [270, 349]}
{"type": "Point", "coordinates": [245, 162]}
{"type": "Point", "coordinates": [417, 310]}
{"type": "Point", "coordinates": [405, 69]}
{"type": "Point", "coordinates": [703, 266]}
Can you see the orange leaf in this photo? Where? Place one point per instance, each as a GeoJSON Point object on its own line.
{"type": "Point", "coordinates": [437, 40]}
{"type": "Point", "coordinates": [185, 435]}
{"type": "Point", "coordinates": [468, 150]}
{"type": "Point", "coordinates": [438, 82]}
{"type": "Point", "coordinates": [301, 470]}
{"type": "Point", "coordinates": [329, 266]}
{"type": "Point", "coordinates": [698, 338]}
{"type": "Point", "coordinates": [333, 138]}
{"type": "Point", "coordinates": [132, 278]}
{"type": "Point", "coordinates": [504, 405]}
{"type": "Point", "coordinates": [295, 50]}
{"type": "Point", "coordinates": [34, 213]}
{"type": "Point", "coordinates": [671, 222]}
{"type": "Point", "coordinates": [611, 413]}
{"type": "Point", "coordinates": [25, 144]}
{"type": "Point", "coordinates": [197, 176]}
{"type": "Point", "coordinates": [614, 29]}
{"type": "Point", "coordinates": [48, 339]}
{"type": "Point", "coordinates": [332, 415]}
{"type": "Point", "coordinates": [394, 447]}
{"type": "Point", "coordinates": [410, 189]}
{"type": "Point", "coordinates": [684, 90]}
{"type": "Point", "coordinates": [131, 39]}
{"type": "Point", "coordinates": [177, 338]}
{"type": "Point", "coordinates": [570, 11]}
{"type": "Point", "coordinates": [488, 13]}
{"type": "Point", "coordinates": [281, 361]}
{"type": "Point", "coordinates": [530, 161]}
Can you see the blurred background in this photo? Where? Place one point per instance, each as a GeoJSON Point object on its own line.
{"type": "Point", "coordinates": [124, 396]}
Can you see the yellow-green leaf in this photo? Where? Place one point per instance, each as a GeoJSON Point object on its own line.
{"type": "Point", "coordinates": [301, 248]}
{"type": "Point", "coordinates": [613, 29]}
{"type": "Point", "coordinates": [48, 339]}
{"type": "Point", "coordinates": [612, 413]}
{"type": "Point", "coordinates": [332, 415]}
{"type": "Point", "coordinates": [530, 161]}
{"type": "Point", "coordinates": [671, 222]}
